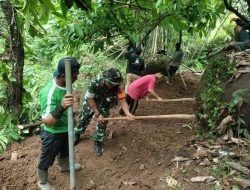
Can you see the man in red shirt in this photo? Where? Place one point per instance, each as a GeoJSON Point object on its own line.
{"type": "Point", "coordinates": [141, 87]}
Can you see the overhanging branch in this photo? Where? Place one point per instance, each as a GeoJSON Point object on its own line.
{"type": "Point", "coordinates": [232, 9]}
{"type": "Point", "coordinates": [131, 5]}
{"type": "Point", "coordinates": [157, 23]}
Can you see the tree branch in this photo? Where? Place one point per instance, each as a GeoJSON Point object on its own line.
{"type": "Point", "coordinates": [157, 23]}
{"type": "Point", "coordinates": [131, 5]}
{"type": "Point", "coordinates": [230, 8]}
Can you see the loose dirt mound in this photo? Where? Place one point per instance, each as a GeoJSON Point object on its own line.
{"type": "Point", "coordinates": [138, 156]}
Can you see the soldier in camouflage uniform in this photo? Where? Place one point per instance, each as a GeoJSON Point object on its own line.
{"type": "Point", "coordinates": [103, 93]}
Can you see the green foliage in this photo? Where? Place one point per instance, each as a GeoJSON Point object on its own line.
{"type": "Point", "coordinates": [210, 91]}
{"type": "Point", "coordinates": [216, 187]}
{"type": "Point", "coordinates": [197, 64]}
{"type": "Point", "coordinates": [100, 21]}
{"type": "Point", "coordinates": [239, 98]}
{"type": "Point", "coordinates": [5, 73]}
{"type": "Point", "coordinates": [193, 16]}
{"type": "Point", "coordinates": [221, 170]}
{"type": "Point", "coordinates": [93, 65]}
{"type": "Point", "coordinates": [35, 77]}
{"type": "Point", "coordinates": [8, 131]}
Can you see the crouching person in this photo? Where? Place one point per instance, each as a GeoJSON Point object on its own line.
{"type": "Point", "coordinates": [140, 88]}
{"type": "Point", "coordinates": [54, 130]}
{"type": "Point", "coordinates": [103, 93]}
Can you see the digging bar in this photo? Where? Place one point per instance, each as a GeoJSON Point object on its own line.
{"type": "Point", "coordinates": [70, 126]}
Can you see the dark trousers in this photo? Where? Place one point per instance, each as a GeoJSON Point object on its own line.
{"type": "Point", "coordinates": [171, 72]}
{"type": "Point", "coordinates": [52, 145]}
{"type": "Point", "coordinates": [133, 104]}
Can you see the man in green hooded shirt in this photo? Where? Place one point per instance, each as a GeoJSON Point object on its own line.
{"type": "Point", "coordinates": [54, 131]}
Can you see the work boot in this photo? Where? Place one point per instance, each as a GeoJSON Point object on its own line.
{"type": "Point", "coordinates": [64, 165]}
{"type": "Point", "coordinates": [76, 138]}
{"type": "Point", "coordinates": [43, 184]}
{"type": "Point", "coordinates": [98, 148]}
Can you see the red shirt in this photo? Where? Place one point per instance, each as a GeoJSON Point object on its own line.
{"type": "Point", "coordinates": [140, 87]}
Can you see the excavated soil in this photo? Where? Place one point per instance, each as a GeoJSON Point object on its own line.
{"type": "Point", "coordinates": [137, 155]}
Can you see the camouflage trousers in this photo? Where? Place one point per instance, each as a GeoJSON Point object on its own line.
{"type": "Point", "coordinates": [85, 115]}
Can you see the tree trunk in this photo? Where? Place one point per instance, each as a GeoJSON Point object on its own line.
{"type": "Point", "coordinates": [16, 87]}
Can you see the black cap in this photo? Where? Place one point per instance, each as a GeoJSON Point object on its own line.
{"type": "Point", "coordinates": [113, 76]}
{"type": "Point", "coordinates": [75, 66]}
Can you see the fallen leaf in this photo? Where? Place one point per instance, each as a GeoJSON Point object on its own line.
{"type": "Point", "coordinates": [171, 181]}
{"type": "Point", "coordinates": [242, 182]}
{"type": "Point", "coordinates": [202, 179]}
{"type": "Point", "coordinates": [129, 182]}
{"type": "Point", "coordinates": [180, 159]}
{"type": "Point", "coordinates": [238, 141]}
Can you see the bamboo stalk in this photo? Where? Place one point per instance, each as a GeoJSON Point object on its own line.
{"type": "Point", "coordinates": [70, 126]}
{"type": "Point", "coordinates": [174, 116]}
{"type": "Point", "coordinates": [173, 100]}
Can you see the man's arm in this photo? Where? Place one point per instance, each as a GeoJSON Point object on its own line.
{"type": "Point", "coordinates": [151, 87]}
{"type": "Point", "coordinates": [90, 95]}
{"type": "Point", "coordinates": [152, 92]}
{"type": "Point", "coordinates": [55, 115]}
{"type": "Point", "coordinates": [93, 106]}
{"type": "Point", "coordinates": [125, 108]}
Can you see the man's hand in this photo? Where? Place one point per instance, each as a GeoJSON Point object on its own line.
{"type": "Point", "coordinates": [67, 100]}
{"type": "Point", "coordinates": [159, 98]}
{"type": "Point", "coordinates": [100, 119]}
{"type": "Point", "coordinates": [130, 116]}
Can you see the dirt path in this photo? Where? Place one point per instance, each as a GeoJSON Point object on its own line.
{"type": "Point", "coordinates": [138, 156]}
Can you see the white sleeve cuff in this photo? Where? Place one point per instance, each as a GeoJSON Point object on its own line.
{"type": "Point", "coordinates": [89, 95]}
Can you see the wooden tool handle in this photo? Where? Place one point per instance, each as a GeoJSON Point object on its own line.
{"type": "Point", "coordinates": [172, 100]}
{"type": "Point", "coordinates": [174, 116]}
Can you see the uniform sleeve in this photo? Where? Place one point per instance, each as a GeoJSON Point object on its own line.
{"type": "Point", "coordinates": [151, 84]}
{"type": "Point", "coordinates": [121, 94]}
{"type": "Point", "coordinates": [91, 92]}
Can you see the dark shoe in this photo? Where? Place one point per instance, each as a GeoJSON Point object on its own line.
{"type": "Point", "coordinates": [43, 184]}
{"type": "Point", "coordinates": [76, 138]}
{"type": "Point", "coordinates": [98, 148]}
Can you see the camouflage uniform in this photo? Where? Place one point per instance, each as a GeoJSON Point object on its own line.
{"type": "Point", "coordinates": [105, 99]}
